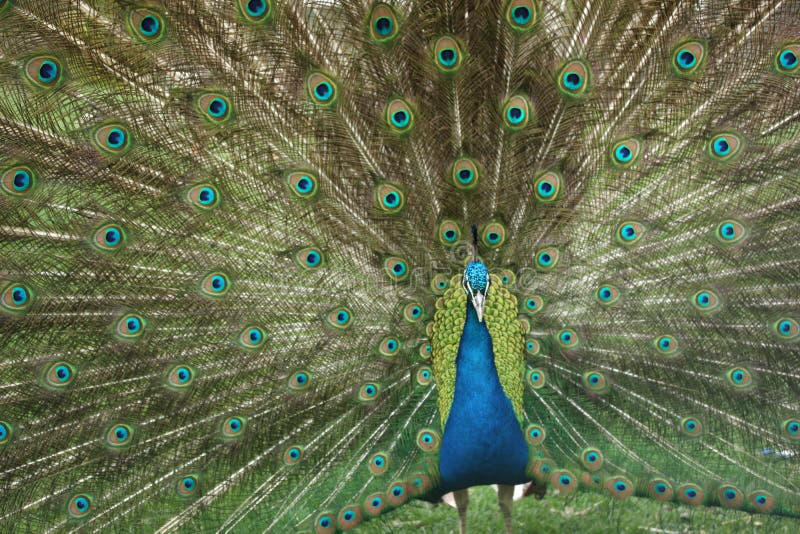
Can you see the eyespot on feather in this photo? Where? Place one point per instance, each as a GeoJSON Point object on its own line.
{"type": "Point", "coordinates": [619, 486]}
{"type": "Point", "coordinates": [293, 454]}
{"type": "Point", "coordinates": [146, 24]}
{"type": "Point", "coordinates": [547, 186]}
{"type": "Point", "coordinates": [449, 233]}
{"type": "Point", "coordinates": [630, 232]}
{"type": "Point", "coordinates": [724, 146]}
{"type": "Point", "coordinates": [16, 297]}
{"type": "Point", "coordinates": [399, 116]}
{"type": "Point", "coordinates": [112, 139]}
{"type": "Point", "coordinates": [688, 57]}
{"type": "Point", "coordinates": [44, 72]}
{"type": "Point", "coordinates": [233, 427]}
{"type": "Point", "coordinates": [119, 436]}
{"type": "Point", "coordinates": [130, 326]}
{"type": "Point", "coordinates": [215, 284]}
{"type": "Point", "coordinates": [18, 181]}
{"type": "Point", "coordinates": [396, 268]}
{"type": "Point", "coordinates": [379, 463]}
{"type": "Point", "coordinates": [79, 505]}
{"type": "Point", "coordinates": [493, 235]}
{"type": "Point", "coordinates": [547, 258]}
{"type": "Point", "coordinates": [383, 23]}
{"type": "Point", "coordinates": [730, 232]}
{"type": "Point", "coordinates": [59, 374]}
{"type": "Point", "coordinates": [592, 459]}
{"type": "Point", "coordinates": [439, 283]}
{"type": "Point", "coordinates": [340, 318]}
{"type": "Point", "coordinates": [109, 237]}
{"type": "Point", "coordinates": [428, 440]}
{"type": "Point", "coordinates": [368, 392]}
{"type": "Point", "coordinates": [517, 112]}
{"type": "Point", "coordinates": [574, 78]}
{"type": "Point", "coordinates": [389, 197]}
{"type": "Point", "coordinates": [214, 107]}
{"type": "Point", "coordinates": [787, 60]}
{"type": "Point", "coordinates": [187, 485]}
{"type": "Point", "coordinates": [180, 377]}
{"type": "Point", "coordinates": [521, 15]}
{"type": "Point", "coordinates": [309, 258]}
{"type": "Point", "coordinates": [255, 11]}
{"type": "Point", "coordinates": [299, 380]}
{"type": "Point", "coordinates": [203, 196]}
{"type": "Point", "coordinates": [660, 490]}
{"type": "Point", "coordinates": [303, 184]}
{"type": "Point", "coordinates": [535, 434]}
{"type": "Point", "coordinates": [691, 494]}
{"type": "Point", "coordinates": [413, 312]}
{"type": "Point", "coordinates": [730, 497]}
{"type": "Point", "coordinates": [607, 294]}
{"type": "Point", "coordinates": [448, 54]}
{"type": "Point", "coordinates": [464, 173]}
{"type": "Point", "coordinates": [624, 153]}
{"type": "Point", "coordinates": [321, 88]}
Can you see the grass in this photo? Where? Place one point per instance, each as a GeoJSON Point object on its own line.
{"type": "Point", "coordinates": [577, 513]}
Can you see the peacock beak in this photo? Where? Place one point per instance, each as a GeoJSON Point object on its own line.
{"type": "Point", "coordinates": [478, 302]}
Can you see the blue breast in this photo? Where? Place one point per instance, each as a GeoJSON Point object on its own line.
{"type": "Point", "coordinates": [482, 442]}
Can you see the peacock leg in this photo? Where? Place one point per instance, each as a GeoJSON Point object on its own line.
{"type": "Point", "coordinates": [462, 501]}
{"type": "Point", "coordinates": [505, 496]}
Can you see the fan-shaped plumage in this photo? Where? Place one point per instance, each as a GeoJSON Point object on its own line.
{"type": "Point", "coordinates": [239, 291]}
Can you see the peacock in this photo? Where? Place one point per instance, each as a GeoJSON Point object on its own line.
{"type": "Point", "coordinates": [284, 266]}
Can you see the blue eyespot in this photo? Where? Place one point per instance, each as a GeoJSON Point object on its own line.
{"type": "Point", "coordinates": [116, 138]}
{"type": "Point", "coordinates": [149, 25]}
{"type": "Point", "coordinates": [721, 147]}
{"type": "Point", "coordinates": [623, 153]}
{"type": "Point", "coordinates": [686, 59]}
{"type": "Point", "coordinates": [218, 107]}
{"type": "Point", "coordinates": [256, 8]}
{"type": "Point", "coordinates": [63, 373]}
{"type": "Point", "coordinates": [48, 71]}
{"type": "Point", "coordinates": [448, 57]}
{"type": "Point", "coordinates": [521, 15]}
{"type": "Point", "coordinates": [515, 114]}
{"type": "Point", "coordinates": [788, 59]}
{"type": "Point", "coordinates": [324, 91]}
{"type": "Point", "coordinates": [400, 119]}
{"type": "Point", "coordinates": [572, 80]}
{"type": "Point", "coordinates": [383, 25]}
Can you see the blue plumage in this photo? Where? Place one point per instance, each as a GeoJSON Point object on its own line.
{"type": "Point", "coordinates": [482, 442]}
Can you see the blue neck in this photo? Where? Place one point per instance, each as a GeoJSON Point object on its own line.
{"type": "Point", "coordinates": [482, 442]}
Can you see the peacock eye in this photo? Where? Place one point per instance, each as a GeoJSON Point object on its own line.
{"type": "Point", "coordinates": [146, 25]}
{"type": "Point", "coordinates": [516, 112]}
{"type": "Point", "coordinates": [255, 11]}
{"type": "Point", "coordinates": [203, 196]}
{"type": "Point", "coordinates": [17, 181]}
{"type": "Point", "coordinates": [447, 54]}
{"type": "Point", "coordinates": [624, 153]}
{"type": "Point", "coordinates": [112, 139]}
{"type": "Point", "coordinates": [44, 72]}
{"type": "Point", "coordinates": [521, 15]}
{"type": "Point", "coordinates": [322, 89]}
{"type": "Point", "coordinates": [79, 505]}
{"type": "Point", "coordinates": [573, 79]}
{"type": "Point", "coordinates": [723, 147]}
{"type": "Point", "coordinates": [787, 60]}
{"type": "Point", "coordinates": [389, 197]}
{"type": "Point", "coordinates": [215, 284]}
{"type": "Point", "coordinates": [547, 186]}
{"type": "Point", "coordinates": [399, 116]}
{"type": "Point", "coordinates": [688, 57]}
{"type": "Point", "coordinates": [383, 25]}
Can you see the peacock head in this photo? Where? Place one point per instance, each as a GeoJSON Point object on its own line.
{"type": "Point", "coordinates": [476, 284]}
